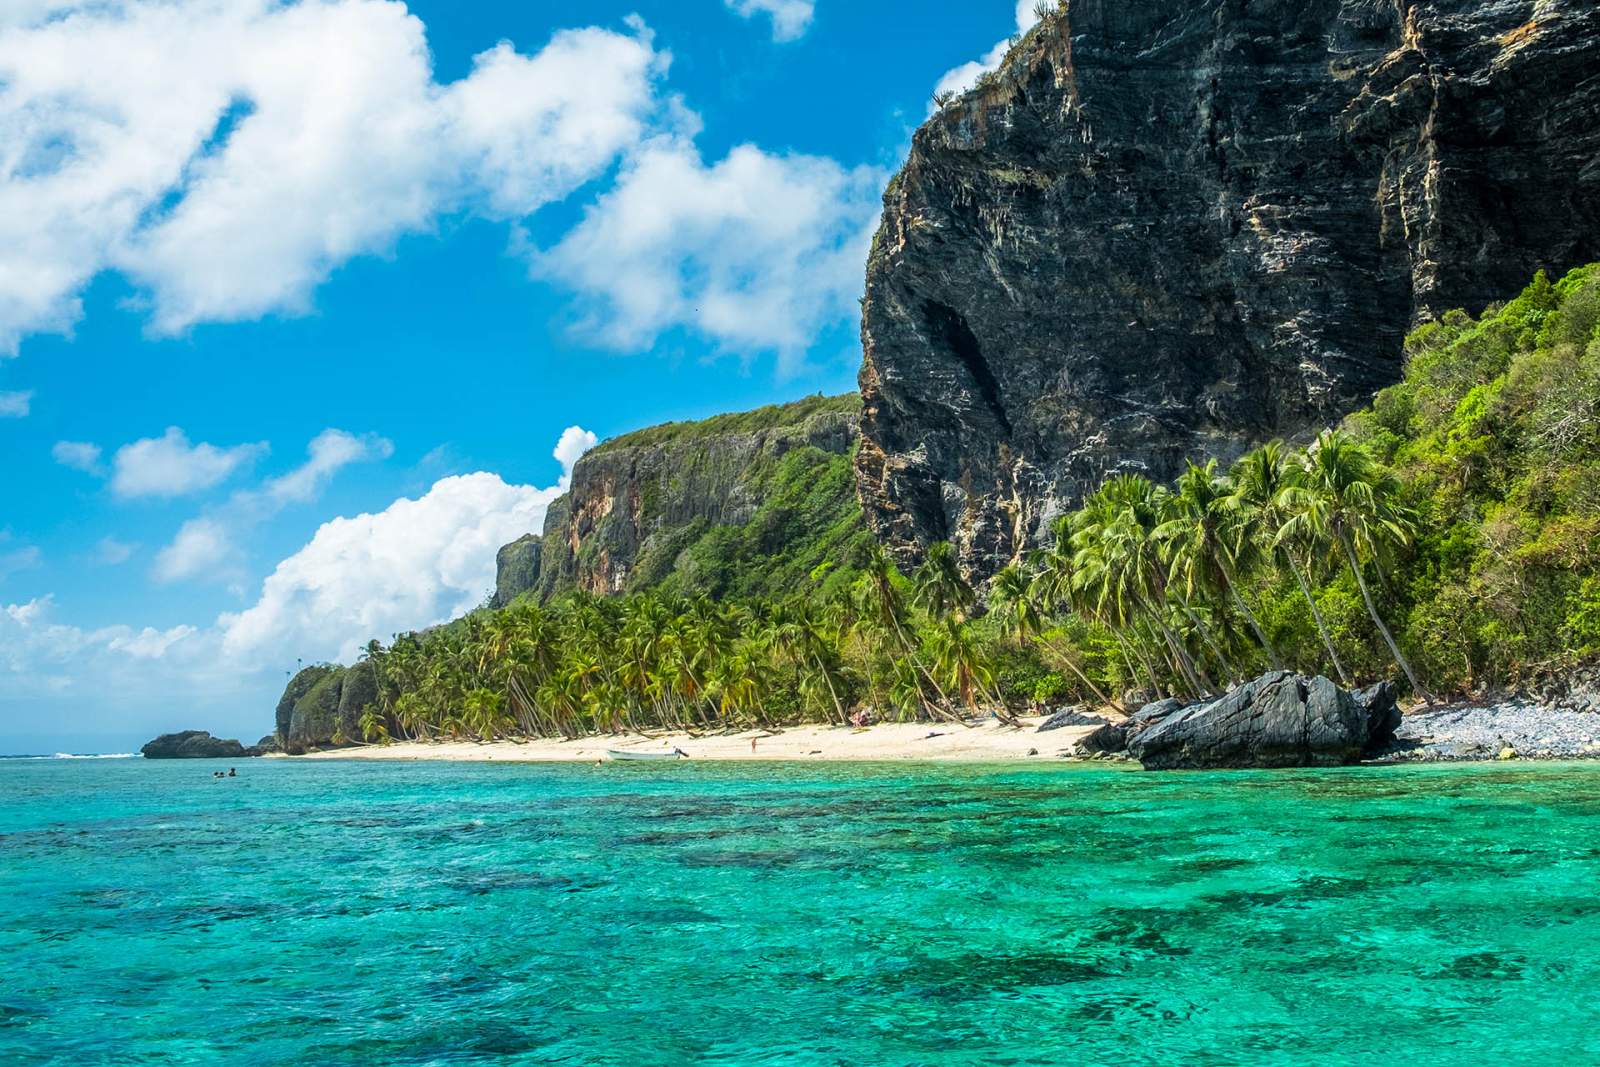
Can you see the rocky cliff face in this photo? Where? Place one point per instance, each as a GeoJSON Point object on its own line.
{"type": "Point", "coordinates": [1166, 230]}
{"type": "Point", "coordinates": [516, 569]}
{"type": "Point", "coordinates": [640, 503]}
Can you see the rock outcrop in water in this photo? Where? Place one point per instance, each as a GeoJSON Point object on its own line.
{"type": "Point", "coordinates": [1164, 230]}
{"type": "Point", "coordinates": [195, 744]}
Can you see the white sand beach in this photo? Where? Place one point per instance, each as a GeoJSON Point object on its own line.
{"type": "Point", "coordinates": [988, 740]}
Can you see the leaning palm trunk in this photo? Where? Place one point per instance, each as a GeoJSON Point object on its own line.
{"type": "Point", "coordinates": [1182, 661]}
{"type": "Point", "coordinates": [1372, 609]}
{"type": "Point", "coordinates": [1205, 636]}
{"type": "Point", "coordinates": [1081, 676]}
{"type": "Point", "coordinates": [1316, 614]}
{"type": "Point", "coordinates": [1250, 617]}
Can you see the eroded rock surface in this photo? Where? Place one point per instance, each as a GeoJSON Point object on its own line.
{"type": "Point", "coordinates": [1280, 719]}
{"type": "Point", "coordinates": [194, 744]}
{"type": "Point", "coordinates": [1177, 229]}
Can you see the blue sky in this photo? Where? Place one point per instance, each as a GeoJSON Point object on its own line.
{"type": "Point", "coordinates": [297, 301]}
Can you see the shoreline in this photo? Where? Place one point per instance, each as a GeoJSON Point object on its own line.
{"type": "Point", "coordinates": [1449, 734]}
{"type": "Point", "coordinates": [986, 741]}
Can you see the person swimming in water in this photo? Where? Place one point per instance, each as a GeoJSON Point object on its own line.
{"type": "Point", "coordinates": [232, 773]}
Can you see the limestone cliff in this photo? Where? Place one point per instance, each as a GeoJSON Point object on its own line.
{"type": "Point", "coordinates": [709, 506]}
{"type": "Point", "coordinates": [1169, 229]}
{"type": "Point", "coordinates": [516, 569]}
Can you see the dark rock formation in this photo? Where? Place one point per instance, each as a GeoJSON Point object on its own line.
{"type": "Point", "coordinates": [194, 744]}
{"type": "Point", "coordinates": [1278, 720]}
{"type": "Point", "coordinates": [298, 687]}
{"type": "Point", "coordinates": [1382, 710]}
{"type": "Point", "coordinates": [516, 570]}
{"type": "Point", "coordinates": [1115, 737]}
{"type": "Point", "coordinates": [315, 720]}
{"type": "Point", "coordinates": [636, 502]}
{"type": "Point", "coordinates": [1176, 229]}
{"type": "Point", "coordinates": [1074, 716]}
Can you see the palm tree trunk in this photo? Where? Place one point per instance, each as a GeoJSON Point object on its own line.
{"type": "Point", "coordinates": [1250, 617]}
{"type": "Point", "coordinates": [1082, 677]}
{"type": "Point", "coordinates": [1316, 613]}
{"type": "Point", "coordinates": [1135, 659]}
{"type": "Point", "coordinates": [1210, 642]}
{"type": "Point", "coordinates": [1377, 621]}
{"type": "Point", "coordinates": [844, 720]}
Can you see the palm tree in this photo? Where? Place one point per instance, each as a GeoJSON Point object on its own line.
{"type": "Point", "coordinates": [1201, 556]}
{"type": "Point", "coordinates": [941, 591]}
{"type": "Point", "coordinates": [1348, 501]}
{"type": "Point", "coordinates": [884, 610]}
{"type": "Point", "coordinates": [957, 658]}
{"type": "Point", "coordinates": [1256, 514]}
{"type": "Point", "coordinates": [1117, 559]}
{"type": "Point", "coordinates": [1012, 595]}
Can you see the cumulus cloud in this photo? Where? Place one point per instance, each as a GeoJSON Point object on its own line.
{"type": "Point", "coordinates": [169, 466]}
{"type": "Point", "coordinates": [210, 546]}
{"type": "Point", "coordinates": [201, 548]}
{"type": "Point", "coordinates": [42, 658]}
{"type": "Point", "coordinates": [416, 563]}
{"type": "Point", "coordinates": [15, 405]}
{"type": "Point", "coordinates": [960, 79]}
{"type": "Point", "coordinates": [790, 18]}
{"type": "Point", "coordinates": [79, 455]}
{"type": "Point", "coordinates": [227, 155]}
{"type": "Point", "coordinates": [571, 446]}
{"type": "Point", "coordinates": [757, 251]}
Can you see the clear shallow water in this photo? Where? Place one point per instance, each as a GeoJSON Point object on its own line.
{"type": "Point", "coordinates": [344, 913]}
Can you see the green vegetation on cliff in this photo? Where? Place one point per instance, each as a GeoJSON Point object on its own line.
{"type": "Point", "coordinates": [769, 417]}
{"type": "Point", "coordinates": [743, 505]}
{"type": "Point", "coordinates": [1450, 533]}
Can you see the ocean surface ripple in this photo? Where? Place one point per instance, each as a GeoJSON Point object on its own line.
{"type": "Point", "coordinates": [432, 913]}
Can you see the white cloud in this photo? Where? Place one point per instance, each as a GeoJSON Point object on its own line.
{"type": "Point", "coordinates": [790, 18]}
{"type": "Point", "coordinates": [574, 442]}
{"type": "Point", "coordinates": [209, 546]}
{"type": "Point", "coordinates": [757, 252]}
{"type": "Point", "coordinates": [959, 79]}
{"type": "Point", "coordinates": [15, 405]}
{"type": "Point", "coordinates": [201, 549]}
{"type": "Point", "coordinates": [416, 563]}
{"type": "Point", "coordinates": [327, 453]}
{"type": "Point", "coordinates": [110, 552]}
{"type": "Point", "coordinates": [228, 155]}
{"type": "Point", "coordinates": [169, 465]}
{"type": "Point", "coordinates": [79, 455]}
{"type": "Point", "coordinates": [149, 643]}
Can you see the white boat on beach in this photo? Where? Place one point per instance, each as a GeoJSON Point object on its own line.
{"type": "Point", "coordinates": [636, 754]}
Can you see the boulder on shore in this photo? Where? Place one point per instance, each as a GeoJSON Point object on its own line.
{"type": "Point", "coordinates": [194, 744]}
{"type": "Point", "coordinates": [1382, 709]}
{"type": "Point", "coordinates": [1073, 716]}
{"type": "Point", "coordinates": [1280, 719]}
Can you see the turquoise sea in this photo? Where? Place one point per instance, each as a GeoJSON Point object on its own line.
{"type": "Point", "coordinates": [362, 913]}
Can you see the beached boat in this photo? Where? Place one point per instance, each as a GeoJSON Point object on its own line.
{"type": "Point", "coordinates": [635, 754]}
